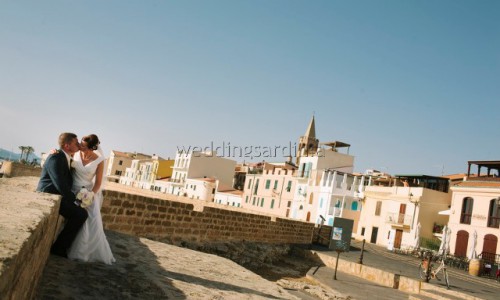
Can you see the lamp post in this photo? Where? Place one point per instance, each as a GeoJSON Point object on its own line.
{"type": "Point", "coordinates": [415, 204]}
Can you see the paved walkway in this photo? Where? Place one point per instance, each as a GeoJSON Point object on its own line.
{"type": "Point", "coordinates": [146, 269]}
{"type": "Point", "coordinates": [462, 284]}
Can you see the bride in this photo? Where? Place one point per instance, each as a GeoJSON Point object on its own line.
{"type": "Point", "coordinates": [90, 244]}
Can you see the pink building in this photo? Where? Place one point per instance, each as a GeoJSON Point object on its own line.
{"type": "Point", "coordinates": [475, 207]}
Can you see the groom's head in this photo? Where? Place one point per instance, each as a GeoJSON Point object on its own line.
{"type": "Point", "coordinates": [69, 142]}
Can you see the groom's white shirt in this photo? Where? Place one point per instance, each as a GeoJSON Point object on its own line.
{"type": "Point", "coordinates": [68, 158]}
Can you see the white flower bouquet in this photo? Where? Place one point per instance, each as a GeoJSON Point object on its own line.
{"type": "Point", "coordinates": [85, 197]}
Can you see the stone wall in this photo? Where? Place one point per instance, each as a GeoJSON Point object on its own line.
{"type": "Point", "coordinates": [28, 223]}
{"type": "Point", "coordinates": [178, 223]}
{"type": "Point", "coordinates": [16, 169]}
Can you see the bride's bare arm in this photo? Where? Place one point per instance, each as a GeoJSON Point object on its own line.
{"type": "Point", "coordinates": [98, 177]}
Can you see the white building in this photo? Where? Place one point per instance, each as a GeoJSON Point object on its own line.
{"type": "Point", "coordinates": [204, 170]}
{"type": "Point", "coordinates": [118, 162]}
{"type": "Point", "coordinates": [340, 195]}
{"type": "Point", "coordinates": [311, 177]}
{"type": "Point", "coordinates": [230, 197]}
{"type": "Point", "coordinates": [391, 214]}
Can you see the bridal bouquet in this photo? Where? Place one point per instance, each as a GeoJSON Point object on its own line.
{"type": "Point", "coordinates": [85, 197]}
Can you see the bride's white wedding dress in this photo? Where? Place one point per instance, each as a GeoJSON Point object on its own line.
{"type": "Point", "coordinates": [90, 244]}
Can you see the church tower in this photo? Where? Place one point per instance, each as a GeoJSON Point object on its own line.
{"type": "Point", "coordinates": [308, 143]}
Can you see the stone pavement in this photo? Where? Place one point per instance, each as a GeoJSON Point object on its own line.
{"type": "Point", "coordinates": [462, 285]}
{"type": "Point", "coordinates": [354, 286]}
{"type": "Point", "coordinates": [147, 269]}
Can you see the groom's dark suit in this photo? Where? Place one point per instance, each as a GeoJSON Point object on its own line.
{"type": "Point", "coordinates": [56, 179]}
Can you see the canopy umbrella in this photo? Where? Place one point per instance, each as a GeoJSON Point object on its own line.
{"type": "Point", "coordinates": [416, 243]}
{"type": "Point", "coordinates": [445, 241]}
{"type": "Point", "coordinates": [472, 250]}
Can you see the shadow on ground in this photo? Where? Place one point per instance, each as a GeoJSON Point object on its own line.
{"type": "Point", "coordinates": [147, 269]}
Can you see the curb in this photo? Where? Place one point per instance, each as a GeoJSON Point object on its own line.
{"type": "Point", "coordinates": [384, 278]}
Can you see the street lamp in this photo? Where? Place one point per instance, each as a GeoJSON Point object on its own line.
{"type": "Point", "coordinates": [415, 204]}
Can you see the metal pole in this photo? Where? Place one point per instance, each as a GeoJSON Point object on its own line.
{"type": "Point", "coordinates": [429, 262]}
{"type": "Point", "coordinates": [362, 250]}
{"type": "Point", "coordinates": [336, 265]}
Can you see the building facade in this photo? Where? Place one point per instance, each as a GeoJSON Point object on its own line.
{"type": "Point", "coordinates": [395, 216]}
{"type": "Point", "coordinates": [475, 213]}
{"type": "Point", "coordinates": [202, 169]}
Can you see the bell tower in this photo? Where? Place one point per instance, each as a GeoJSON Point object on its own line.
{"type": "Point", "coordinates": [308, 143]}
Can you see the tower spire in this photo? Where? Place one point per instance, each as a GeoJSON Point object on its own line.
{"type": "Point", "coordinates": [311, 130]}
{"type": "Point", "coordinates": [308, 143]}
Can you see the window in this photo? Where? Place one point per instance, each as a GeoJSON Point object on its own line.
{"type": "Point", "coordinates": [289, 186]}
{"type": "Point", "coordinates": [118, 173]}
{"type": "Point", "coordinates": [494, 214]}
{"type": "Point", "coordinates": [262, 202]}
{"type": "Point", "coordinates": [120, 162]}
{"type": "Point", "coordinates": [268, 184]}
{"type": "Point", "coordinates": [253, 201]}
{"type": "Point", "coordinates": [256, 187]}
{"type": "Point", "coordinates": [311, 198]}
{"type": "Point", "coordinates": [321, 203]}
{"type": "Point", "coordinates": [249, 183]}
{"type": "Point", "coordinates": [289, 204]}
{"type": "Point", "coordinates": [275, 185]}
{"type": "Point", "coordinates": [378, 208]}
{"type": "Point", "coordinates": [362, 231]}
{"type": "Point", "coordinates": [354, 205]}
{"type": "Point", "coordinates": [466, 214]}
{"type": "Point", "coordinates": [272, 203]}
{"type": "Point", "coordinates": [246, 199]}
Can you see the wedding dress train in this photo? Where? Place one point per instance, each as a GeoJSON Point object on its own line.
{"type": "Point", "coordinates": [90, 244]}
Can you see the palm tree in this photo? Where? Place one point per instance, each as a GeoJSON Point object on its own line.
{"type": "Point", "coordinates": [29, 150]}
{"type": "Point", "coordinates": [23, 150]}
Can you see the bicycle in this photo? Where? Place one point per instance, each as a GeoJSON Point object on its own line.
{"type": "Point", "coordinates": [424, 268]}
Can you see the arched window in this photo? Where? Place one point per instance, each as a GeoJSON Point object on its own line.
{"type": "Point", "coordinates": [311, 198]}
{"type": "Point", "coordinates": [466, 215]}
{"type": "Point", "coordinates": [354, 205]}
{"type": "Point", "coordinates": [494, 214]}
{"type": "Point", "coordinates": [321, 203]}
{"type": "Point", "coordinates": [308, 216]}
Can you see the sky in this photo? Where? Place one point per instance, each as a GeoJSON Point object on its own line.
{"type": "Point", "coordinates": [412, 86]}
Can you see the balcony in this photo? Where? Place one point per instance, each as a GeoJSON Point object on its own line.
{"type": "Point", "coordinates": [398, 219]}
{"type": "Point", "coordinates": [177, 181]}
{"type": "Point", "coordinates": [179, 168]}
{"type": "Point", "coordinates": [494, 222]}
{"type": "Point", "coordinates": [483, 178]}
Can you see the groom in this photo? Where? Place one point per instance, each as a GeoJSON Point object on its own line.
{"type": "Point", "coordinates": [56, 179]}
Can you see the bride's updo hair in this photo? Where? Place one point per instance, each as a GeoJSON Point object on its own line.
{"type": "Point", "coordinates": [92, 141]}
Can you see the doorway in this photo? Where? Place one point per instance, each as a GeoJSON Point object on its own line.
{"type": "Point", "coordinates": [373, 238]}
{"type": "Point", "coordinates": [461, 243]}
{"type": "Point", "coordinates": [398, 238]}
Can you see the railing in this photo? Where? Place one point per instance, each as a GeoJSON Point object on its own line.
{"type": "Point", "coordinates": [397, 218]}
{"type": "Point", "coordinates": [483, 178]}
{"type": "Point", "coordinates": [334, 211]}
{"type": "Point", "coordinates": [180, 181]}
{"type": "Point", "coordinates": [465, 218]}
{"type": "Point", "coordinates": [493, 222]}
{"type": "Point", "coordinates": [491, 258]}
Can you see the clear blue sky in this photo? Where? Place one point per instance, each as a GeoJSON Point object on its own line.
{"type": "Point", "coordinates": [413, 86]}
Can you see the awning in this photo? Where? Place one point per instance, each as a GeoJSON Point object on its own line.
{"type": "Point", "coordinates": [445, 212]}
